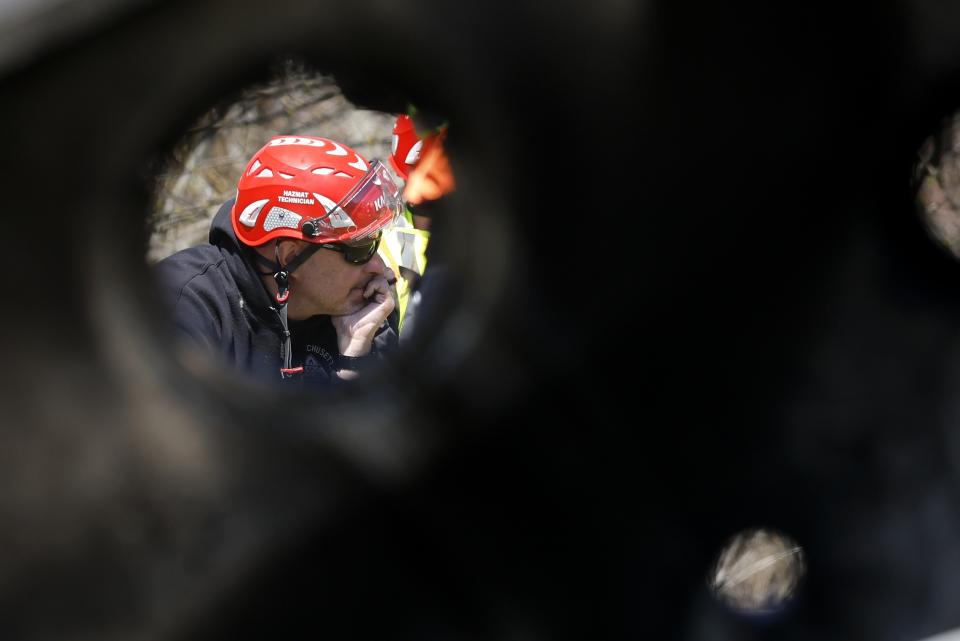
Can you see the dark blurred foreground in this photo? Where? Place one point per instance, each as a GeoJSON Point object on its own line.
{"type": "Point", "coordinates": [693, 298]}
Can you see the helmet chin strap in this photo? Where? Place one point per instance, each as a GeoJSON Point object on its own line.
{"type": "Point", "coordinates": [282, 278]}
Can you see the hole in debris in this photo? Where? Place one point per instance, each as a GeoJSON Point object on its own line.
{"type": "Point", "coordinates": [202, 174]}
{"type": "Point", "coordinates": [937, 180]}
{"type": "Point", "coordinates": [758, 571]}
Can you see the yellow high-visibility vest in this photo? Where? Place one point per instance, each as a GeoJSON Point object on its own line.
{"type": "Point", "coordinates": [405, 246]}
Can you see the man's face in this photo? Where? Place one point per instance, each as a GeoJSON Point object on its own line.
{"type": "Point", "coordinates": [327, 284]}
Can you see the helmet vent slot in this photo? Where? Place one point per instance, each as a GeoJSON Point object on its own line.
{"type": "Point", "coordinates": [249, 215]}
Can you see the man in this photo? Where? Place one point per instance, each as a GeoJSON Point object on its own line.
{"type": "Point", "coordinates": [291, 285]}
{"type": "Point", "coordinates": [419, 158]}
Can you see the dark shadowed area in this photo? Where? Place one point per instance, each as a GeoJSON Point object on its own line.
{"type": "Point", "coordinates": [690, 296]}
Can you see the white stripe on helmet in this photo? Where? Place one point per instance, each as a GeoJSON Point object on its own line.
{"type": "Point", "coordinates": [249, 215]}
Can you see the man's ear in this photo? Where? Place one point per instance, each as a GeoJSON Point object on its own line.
{"type": "Point", "coordinates": [288, 249]}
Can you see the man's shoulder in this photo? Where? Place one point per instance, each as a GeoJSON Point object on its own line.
{"type": "Point", "coordinates": [201, 293]}
{"type": "Point", "coordinates": [196, 267]}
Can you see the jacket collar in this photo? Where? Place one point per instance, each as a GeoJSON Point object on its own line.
{"type": "Point", "coordinates": [241, 265]}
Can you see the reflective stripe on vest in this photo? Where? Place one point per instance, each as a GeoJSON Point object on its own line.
{"type": "Point", "coordinates": [404, 246]}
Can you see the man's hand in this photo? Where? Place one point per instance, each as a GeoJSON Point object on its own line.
{"type": "Point", "coordinates": [355, 331]}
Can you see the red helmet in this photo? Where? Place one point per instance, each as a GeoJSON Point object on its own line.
{"type": "Point", "coordinates": [313, 189]}
{"type": "Point", "coordinates": [405, 151]}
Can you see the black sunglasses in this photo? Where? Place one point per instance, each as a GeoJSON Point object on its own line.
{"type": "Point", "coordinates": [355, 253]}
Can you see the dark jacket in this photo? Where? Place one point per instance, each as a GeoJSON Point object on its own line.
{"type": "Point", "coordinates": [218, 301]}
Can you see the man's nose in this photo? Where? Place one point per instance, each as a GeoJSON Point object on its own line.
{"type": "Point", "coordinates": [375, 266]}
